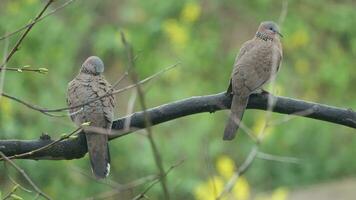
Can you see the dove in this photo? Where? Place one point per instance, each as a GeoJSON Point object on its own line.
{"type": "Point", "coordinates": [257, 62]}
{"type": "Point", "coordinates": [88, 85]}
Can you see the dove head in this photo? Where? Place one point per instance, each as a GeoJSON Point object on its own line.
{"type": "Point", "coordinates": [93, 66]}
{"type": "Point", "coordinates": [268, 30]}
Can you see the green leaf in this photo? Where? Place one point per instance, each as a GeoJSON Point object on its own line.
{"type": "Point", "coordinates": [64, 135]}
{"type": "Point", "coordinates": [86, 124]}
{"type": "Point", "coordinates": [43, 70]}
{"type": "Point", "coordinates": [73, 136]}
{"type": "Point", "coordinates": [16, 197]}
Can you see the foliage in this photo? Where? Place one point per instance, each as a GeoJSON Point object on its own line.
{"type": "Point", "coordinates": [319, 53]}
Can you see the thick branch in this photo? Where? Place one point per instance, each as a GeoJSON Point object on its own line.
{"type": "Point", "coordinates": [76, 147]}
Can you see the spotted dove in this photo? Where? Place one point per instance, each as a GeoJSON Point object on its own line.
{"type": "Point", "coordinates": [90, 84]}
{"type": "Point", "coordinates": [257, 62]}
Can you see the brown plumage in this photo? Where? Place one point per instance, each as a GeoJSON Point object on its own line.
{"type": "Point", "coordinates": [256, 64]}
{"type": "Point", "coordinates": [89, 84]}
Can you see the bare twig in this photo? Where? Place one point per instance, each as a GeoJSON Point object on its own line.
{"type": "Point", "coordinates": [284, 11]}
{"type": "Point", "coordinates": [20, 186]}
{"type": "Point", "coordinates": [118, 189]}
{"type": "Point", "coordinates": [134, 78]}
{"type": "Point", "coordinates": [18, 43]}
{"type": "Point", "coordinates": [25, 68]}
{"type": "Point", "coordinates": [130, 107]}
{"type": "Point", "coordinates": [122, 188]}
{"type": "Point", "coordinates": [22, 172]}
{"type": "Point", "coordinates": [290, 117]}
{"type": "Point", "coordinates": [106, 181]}
{"type": "Point", "coordinates": [120, 79]}
{"type": "Point", "coordinates": [240, 171]}
{"type": "Point", "coordinates": [16, 185]}
{"type": "Point", "coordinates": [2, 72]}
{"type": "Point", "coordinates": [29, 105]}
{"type": "Point", "coordinates": [36, 20]}
{"type": "Point", "coordinates": [142, 194]}
{"type": "Point", "coordinates": [284, 159]}
{"type": "Point", "coordinates": [13, 190]}
{"type": "Point", "coordinates": [47, 111]}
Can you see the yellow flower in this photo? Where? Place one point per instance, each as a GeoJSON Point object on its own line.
{"type": "Point", "coordinates": [241, 190]}
{"type": "Point", "coordinates": [190, 12]}
{"type": "Point", "coordinates": [280, 194]}
{"type": "Point", "coordinates": [225, 166]}
{"type": "Point", "coordinates": [177, 33]}
{"type": "Point", "coordinates": [210, 189]}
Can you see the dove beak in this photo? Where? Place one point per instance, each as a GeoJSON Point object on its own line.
{"type": "Point", "coordinates": [280, 34]}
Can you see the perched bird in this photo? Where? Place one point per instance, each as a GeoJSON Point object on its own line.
{"type": "Point", "coordinates": [90, 84]}
{"type": "Point", "coordinates": [257, 63]}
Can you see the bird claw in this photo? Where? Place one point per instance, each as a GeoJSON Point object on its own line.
{"type": "Point", "coordinates": [265, 92]}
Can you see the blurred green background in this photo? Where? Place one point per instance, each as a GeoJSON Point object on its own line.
{"type": "Point", "coordinates": [205, 36]}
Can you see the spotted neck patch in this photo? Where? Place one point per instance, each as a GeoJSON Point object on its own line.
{"type": "Point", "coordinates": [263, 36]}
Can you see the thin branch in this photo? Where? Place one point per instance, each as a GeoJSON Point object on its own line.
{"type": "Point", "coordinates": [3, 72]}
{"type": "Point", "coordinates": [29, 105]}
{"type": "Point", "coordinates": [240, 171]}
{"type": "Point", "coordinates": [120, 79]}
{"type": "Point", "coordinates": [122, 188]}
{"type": "Point", "coordinates": [107, 181]}
{"type": "Point", "coordinates": [76, 148]}
{"type": "Point", "coordinates": [283, 14]}
{"type": "Point", "coordinates": [20, 186]}
{"type": "Point", "coordinates": [148, 124]}
{"type": "Point", "coordinates": [283, 159]}
{"type": "Point", "coordinates": [142, 194]}
{"type": "Point", "coordinates": [22, 172]}
{"type": "Point", "coordinates": [36, 20]}
{"type": "Point", "coordinates": [24, 69]}
{"type": "Point", "coordinates": [13, 190]}
{"type": "Point", "coordinates": [290, 117]}
{"type": "Point", "coordinates": [130, 108]}
{"type": "Point", "coordinates": [13, 180]}
{"type": "Point", "coordinates": [47, 111]}
{"type": "Point", "coordinates": [18, 43]}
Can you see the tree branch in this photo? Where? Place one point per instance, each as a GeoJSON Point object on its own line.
{"type": "Point", "coordinates": [75, 148]}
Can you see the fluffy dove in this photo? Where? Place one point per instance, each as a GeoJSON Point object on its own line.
{"type": "Point", "coordinates": [257, 62]}
{"type": "Point", "coordinates": [90, 84]}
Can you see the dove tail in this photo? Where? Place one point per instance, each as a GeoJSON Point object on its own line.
{"type": "Point", "coordinates": [238, 106]}
{"type": "Point", "coordinates": [99, 154]}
